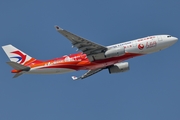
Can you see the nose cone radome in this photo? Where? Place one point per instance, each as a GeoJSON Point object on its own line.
{"type": "Point", "coordinates": [174, 40]}
{"type": "Point", "coordinates": [170, 39]}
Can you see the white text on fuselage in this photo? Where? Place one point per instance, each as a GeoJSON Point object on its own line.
{"type": "Point", "coordinates": [66, 59]}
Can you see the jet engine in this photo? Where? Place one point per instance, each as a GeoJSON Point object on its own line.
{"type": "Point", "coordinates": [119, 67]}
{"type": "Point", "coordinates": [115, 52]}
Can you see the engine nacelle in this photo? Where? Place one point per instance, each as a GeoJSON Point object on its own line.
{"type": "Point", "coordinates": [119, 67]}
{"type": "Point", "coordinates": [115, 52]}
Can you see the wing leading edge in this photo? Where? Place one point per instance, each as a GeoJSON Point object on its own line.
{"type": "Point", "coordinates": [91, 49]}
{"type": "Point", "coordinates": [86, 46]}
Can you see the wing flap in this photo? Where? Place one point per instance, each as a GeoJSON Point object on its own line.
{"type": "Point", "coordinates": [86, 46]}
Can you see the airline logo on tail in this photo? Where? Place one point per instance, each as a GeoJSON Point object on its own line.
{"type": "Point", "coordinates": [21, 57]}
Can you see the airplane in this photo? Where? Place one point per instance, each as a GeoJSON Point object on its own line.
{"type": "Point", "coordinates": [93, 57]}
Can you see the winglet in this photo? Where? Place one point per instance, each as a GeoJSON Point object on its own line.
{"type": "Point", "coordinates": [75, 78]}
{"type": "Point", "coordinates": [58, 28]}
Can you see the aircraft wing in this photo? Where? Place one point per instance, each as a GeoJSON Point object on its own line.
{"type": "Point", "coordinates": [89, 73]}
{"type": "Point", "coordinates": [86, 46]}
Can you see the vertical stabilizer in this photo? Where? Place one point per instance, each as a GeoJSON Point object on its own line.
{"type": "Point", "coordinates": [16, 55]}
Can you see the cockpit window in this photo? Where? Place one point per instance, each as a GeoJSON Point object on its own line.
{"type": "Point", "coordinates": [169, 36]}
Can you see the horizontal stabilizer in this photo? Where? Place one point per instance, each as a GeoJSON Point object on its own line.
{"type": "Point", "coordinates": [18, 66]}
{"type": "Point", "coordinates": [17, 75]}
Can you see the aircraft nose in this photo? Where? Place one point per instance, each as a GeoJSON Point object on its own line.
{"type": "Point", "coordinates": [174, 39]}
{"type": "Point", "coordinates": [171, 40]}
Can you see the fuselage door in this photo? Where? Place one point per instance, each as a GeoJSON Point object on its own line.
{"type": "Point", "coordinates": [134, 43]}
{"type": "Point", "coordinates": [159, 38]}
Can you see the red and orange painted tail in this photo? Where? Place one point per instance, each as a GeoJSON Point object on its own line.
{"type": "Point", "coordinates": [16, 55]}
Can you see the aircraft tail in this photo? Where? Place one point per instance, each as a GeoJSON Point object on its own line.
{"type": "Point", "coordinates": [16, 55]}
{"type": "Point", "coordinates": [18, 60]}
{"type": "Point", "coordinates": [18, 66]}
{"type": "Point", "coordinates": [19, 69]}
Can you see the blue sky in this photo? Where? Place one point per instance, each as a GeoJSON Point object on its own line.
{"type": "Point", "coordinates": [150, 90]}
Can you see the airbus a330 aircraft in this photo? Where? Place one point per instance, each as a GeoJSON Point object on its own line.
{"type": "Point", "coordinates": [93, 57]}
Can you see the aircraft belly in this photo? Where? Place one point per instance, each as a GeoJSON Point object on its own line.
{"type": "Point", "coordinates": [50, 71]}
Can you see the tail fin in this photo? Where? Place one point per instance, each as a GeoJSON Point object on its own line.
{"type": "Point", "coordinates": [16, 55]}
